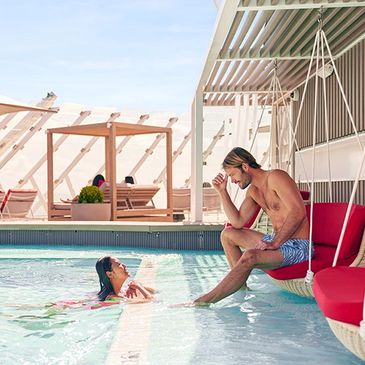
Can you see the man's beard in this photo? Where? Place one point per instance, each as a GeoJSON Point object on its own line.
{"type": "Point", "coordinates": [245, 183]}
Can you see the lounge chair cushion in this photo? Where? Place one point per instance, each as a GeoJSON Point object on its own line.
{"type": "Point", "coordinates": [305, 195]}
{"type": "Point", "coordinates": [323, 258]}
{"type": "Point", "coordinates": [336, 298]}
{"type": "Point", "coordinates": [328, 220]}
{"type": "Point", "coordinates": [181, 199]}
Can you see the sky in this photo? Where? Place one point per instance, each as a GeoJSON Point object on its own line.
{"type": "Point", "coordinates": [132, 56]}
{"type": "Point", "coordinates": [127, 54]}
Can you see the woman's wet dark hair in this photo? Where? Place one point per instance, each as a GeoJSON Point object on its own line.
{"type": "Point", "coordinates": [96, 180]}
{"type": "Point", "coordinates": [103, 265]}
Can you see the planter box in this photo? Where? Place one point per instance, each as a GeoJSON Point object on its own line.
{"type": "Point", "coordinates": [90, 212]}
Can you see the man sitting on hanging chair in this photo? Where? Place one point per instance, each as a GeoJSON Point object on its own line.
{"type": "Point", "coordinates": [277, 194]}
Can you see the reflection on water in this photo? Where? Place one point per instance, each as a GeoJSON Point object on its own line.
{"type": "Point", "coordinates": [264, 325]}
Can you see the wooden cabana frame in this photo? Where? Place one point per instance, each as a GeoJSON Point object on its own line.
{"type": "Point", "coordinates": [6, 108]}
{"type": "Point", "coordinates": [109, 131]}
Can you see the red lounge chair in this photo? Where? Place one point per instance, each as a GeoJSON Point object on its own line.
{"type": "Point", "coordinates": [339, 292]}
{"type": "Point", "coordinates": [2, 196]}
{"type": "Point", "coordinates": [328, 219]}
{"type": "Point", "coordinates": [18, 202]}
{"type": "Point", "coordinates": [305, 196]}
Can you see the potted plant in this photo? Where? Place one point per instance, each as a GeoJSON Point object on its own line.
{"type": "Point", "coordinates": [90, 206]}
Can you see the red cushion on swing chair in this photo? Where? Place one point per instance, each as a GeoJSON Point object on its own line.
{"type": "Point", "coordinates": [304, 194]}
{"type": "Point", "coordinates": [328, 219]}
{"type": "Point", "coordinates": [323, 259]}
{"type": "Point", "coordinates": [336, 297]}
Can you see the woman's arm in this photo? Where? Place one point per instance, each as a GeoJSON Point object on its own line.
{"type": "Point", "coordinates": [150, 290]}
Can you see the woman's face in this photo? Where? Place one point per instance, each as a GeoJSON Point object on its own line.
{"type": "Point", "coordinates": [119, 270]}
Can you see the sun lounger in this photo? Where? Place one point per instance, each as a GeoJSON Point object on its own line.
{"type": "Point", "coordinates": [211, 200]}
{"type": "Point", "coordinates": [18, 202]}
{"type": "Point", "coordinates": [181, 199]}
{"type": "Point", "coordinates": [2, 196]}
{"type": "Point", "coordinates": [130, 198]}
{"type": "Point", "coordinates": [123, 193]}
{"type": "Point", "coordinates": [141, 196]}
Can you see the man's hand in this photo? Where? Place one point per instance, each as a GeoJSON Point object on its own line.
{"type": "Point", "coordinates": [265, 245]}
{"type": "Point", "coordinates": [261, 245]}
{"type": "Point", "coordinates": [220, 182]}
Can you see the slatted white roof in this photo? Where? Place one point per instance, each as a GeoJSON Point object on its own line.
{"type": "Point", "coordinates": [251, 34]}
{"type": "Point", "coordinates": [250, 38]}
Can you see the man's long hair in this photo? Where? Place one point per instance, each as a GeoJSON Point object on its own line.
{"type": "Point", "coordinates": [237, 156]}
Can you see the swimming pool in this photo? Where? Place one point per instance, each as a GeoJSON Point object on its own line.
{"type": "Point", "coordinates": [261, 326]}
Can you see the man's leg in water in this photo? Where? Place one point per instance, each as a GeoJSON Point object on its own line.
{"type": "Point", "coordinates": [234, 239]}
{"type": "Point", "coordinates": [239, 274]}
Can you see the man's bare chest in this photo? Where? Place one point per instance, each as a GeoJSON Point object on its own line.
{"type": "Point", "coordinates": [268, 201]}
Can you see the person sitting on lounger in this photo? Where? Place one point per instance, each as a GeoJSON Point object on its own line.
{"type": "Point", "coordinates": [112, 275]}
{"type": "Point", "coordinates": [97, 181]}
{"type": "Point", "coordinates": [129, 180]}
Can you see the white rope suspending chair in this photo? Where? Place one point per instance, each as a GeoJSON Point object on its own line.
{"type": "Point", "coordinates": [285, 277]}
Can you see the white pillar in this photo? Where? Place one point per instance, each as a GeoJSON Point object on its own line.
{"type": "Point", "coordinates": [245, 122]}
{"type": "Point", "coordinates": [273, 140]}
{"type": "Point", "coordinates": [196, 198]}
{"type": "Point", "coordinates": [237, 128]}
{"type": "Point", "coordinates": [242, 121]}
{"type": "Point", "coordinates": [254, 125]}
{"type": "Point", "coordinates": [228, 133]}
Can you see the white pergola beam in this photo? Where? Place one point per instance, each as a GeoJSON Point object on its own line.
{"type": "Point", "coordinates": [285, 5]}
{"type": "Point", "coordinates": [20, 145]}
{"type": "Point", "coordinates": [149, 151]}
{"type": "Point", "coordinates": [226, 15]}
{"type": "Point", "coordinates": [122, 144]}
{"type": "Point", "coordinates": [43, 159]}
{"type": "Point", "coordinates": [242, 91]}
{"type": "Point", "coordinates": [264, 58]}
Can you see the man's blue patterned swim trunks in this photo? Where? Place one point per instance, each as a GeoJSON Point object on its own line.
{"type": "Point", "coordinates": [294, 250]}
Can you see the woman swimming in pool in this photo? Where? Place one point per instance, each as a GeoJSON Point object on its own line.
{"type": "Point", "coordinates": [112, 275]}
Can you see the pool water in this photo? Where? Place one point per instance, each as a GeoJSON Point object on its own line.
{"type": "Point", "coordinates": [262, 326]}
